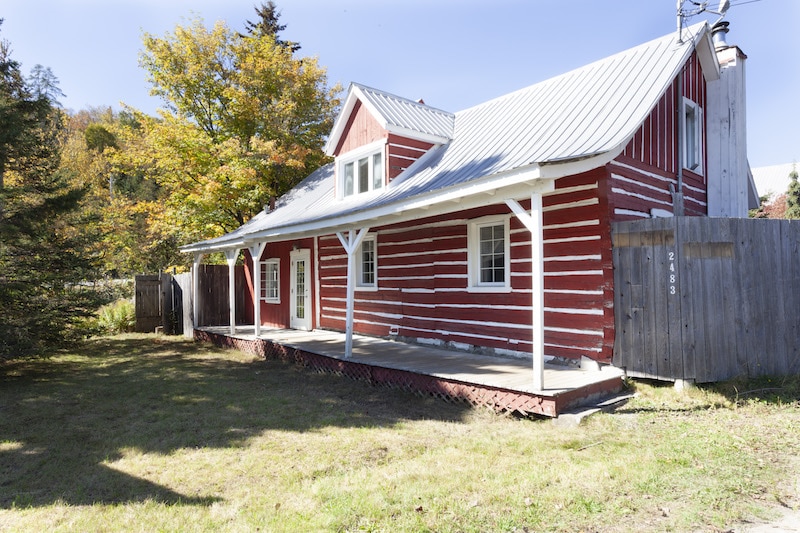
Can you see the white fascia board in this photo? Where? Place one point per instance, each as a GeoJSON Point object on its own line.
{"type": "Point", "coordinates": [568, 167]}
{"type": "Point", "coordinates": [223, 246]}
{"type": "Point", "coordinates": [517, 183]}
{"type": "Point", "coordinates": [417, 135]}
{"type": "Point", "coordinates": [366, 149]}
{"type": "Point", "coordinates": [707, 56]}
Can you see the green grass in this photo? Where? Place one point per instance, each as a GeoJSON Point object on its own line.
{"type": "Point", "coordinates": [149, 433]}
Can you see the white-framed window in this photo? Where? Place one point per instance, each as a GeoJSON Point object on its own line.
{"type": "Point", "coordinates": [270, 287]}
{"type": "Point", "coordinates": [692, 117]}
{"type": "Point", "coordinates": [362, 170]}
{"type": "Point", "coordinates": [367, 263]}
{"type": "Point", "coordinates": [489, 252]}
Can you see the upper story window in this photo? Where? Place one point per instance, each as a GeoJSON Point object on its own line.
{"type": "Point", "coordinates": [489, 254]}
{"type": "Point", "coordinates": [363, 170]}
{"type": "Point", "coordinates": [692, 136]}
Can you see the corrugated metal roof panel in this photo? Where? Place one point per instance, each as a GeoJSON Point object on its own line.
{"type": "Point", "coordinates": [407, 114]}
{"type": "Point", "coordinates": [584, 113]}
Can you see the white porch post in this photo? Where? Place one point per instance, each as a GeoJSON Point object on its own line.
{"type": "Point", "coordinates": [198, 258]}
{"type": "Point", "coordinates": [533, 222]}
{"type": "Point", "coordinates": [231, 256]}
{"type": "Point", "coordinates": [255, 254]}
{"type": "Point", "coordinates": [350, 244]}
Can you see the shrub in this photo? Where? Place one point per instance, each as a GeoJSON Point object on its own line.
{"type": "Point", "coordinates": [117, 317]}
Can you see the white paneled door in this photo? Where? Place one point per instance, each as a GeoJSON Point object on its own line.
{"type": "Point", "coordinates": [300, 290]}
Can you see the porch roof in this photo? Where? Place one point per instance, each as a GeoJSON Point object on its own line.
{"type": "Point", "coordinates": [513, 145]}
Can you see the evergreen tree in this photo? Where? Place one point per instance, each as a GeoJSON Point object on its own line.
{"type": "Point", "coordinates": [42, 257]}
{"type": "Point", "coordinates": [793, 196]}
{"type": "Point", "coordinates": [267, 25]}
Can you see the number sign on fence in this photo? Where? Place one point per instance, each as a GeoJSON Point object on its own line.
{"type": "Point", "coordinates": [707, 299]}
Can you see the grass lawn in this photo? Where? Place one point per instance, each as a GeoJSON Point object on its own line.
{"type": "Point", "coordinates": [149, 433]}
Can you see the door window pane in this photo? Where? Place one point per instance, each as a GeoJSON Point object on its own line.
{"type": "Point", "coordinates": [300, 289]}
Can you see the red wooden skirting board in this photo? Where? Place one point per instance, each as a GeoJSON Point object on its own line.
{"type": "Point", "coordinates": [478, 395]}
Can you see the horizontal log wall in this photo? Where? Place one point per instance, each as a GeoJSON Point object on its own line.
{"type": "Point", "coordinates": [422, 290]}
{"type": "Point", "coordinates": [707, 299]}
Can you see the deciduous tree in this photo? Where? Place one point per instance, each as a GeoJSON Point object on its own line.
{"type": "Point", "coordinates": [245, 120]}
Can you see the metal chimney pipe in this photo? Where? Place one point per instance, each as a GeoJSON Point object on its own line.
{"type": "Point", "coordinates": [718, 35]}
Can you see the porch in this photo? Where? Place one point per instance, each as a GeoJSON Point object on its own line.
{"type": "Point", "coordinates": [503, 384]}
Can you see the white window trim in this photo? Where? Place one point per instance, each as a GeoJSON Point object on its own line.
{"type": "Point", "coordinates": [473, 254]}
{"type": "Point", "coordinates": [696, 149]}
{"type": "Point", "coordinates": [377, 147]}
{"type": "Point", "coordinates": [262, 269]}
{"type": "Point", "coordinates": [373, 238]}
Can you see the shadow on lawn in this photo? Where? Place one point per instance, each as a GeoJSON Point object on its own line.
{"type": "Point", "coordinates": [64, 421]}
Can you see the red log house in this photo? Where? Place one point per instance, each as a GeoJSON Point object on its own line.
{"type": "Point", "coordinates": [489, 230]}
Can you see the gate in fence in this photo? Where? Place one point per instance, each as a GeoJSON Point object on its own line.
{"type": "Point", "coordinates": [159, 302]}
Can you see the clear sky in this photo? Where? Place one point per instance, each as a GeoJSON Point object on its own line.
{"type": "Point", "coordinates": [452, 53]}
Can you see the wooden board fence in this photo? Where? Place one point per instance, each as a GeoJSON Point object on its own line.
{"type": "Point", "coordinates": [707, 299]}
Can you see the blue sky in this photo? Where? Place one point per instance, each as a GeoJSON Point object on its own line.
{"type": "Point", "coordinates": [452, 53]}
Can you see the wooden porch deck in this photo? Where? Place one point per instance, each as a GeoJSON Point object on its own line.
{"type": "Point", "coordinates": [504, 384]}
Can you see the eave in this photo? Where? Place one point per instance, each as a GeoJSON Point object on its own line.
{"type": "Point", "coordinates": [516, 184]}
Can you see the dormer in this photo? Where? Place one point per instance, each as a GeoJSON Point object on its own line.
{"type": "Point", "coordinates": [378, 135]}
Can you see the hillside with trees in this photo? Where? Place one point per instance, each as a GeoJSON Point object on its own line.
{"type": "Point", "coordinates": [100, 193]}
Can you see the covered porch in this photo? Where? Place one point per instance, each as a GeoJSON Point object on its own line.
{"type": "Point", "coordinates": [500, 383]}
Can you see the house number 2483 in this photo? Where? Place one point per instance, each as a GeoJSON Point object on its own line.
{"type": "Point", "coordinates": [672, 276]}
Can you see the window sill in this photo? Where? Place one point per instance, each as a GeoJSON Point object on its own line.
{"type": "Point", "coordinates": [490, 288]}
{"type": "Point", "coordinates": [366, 288]}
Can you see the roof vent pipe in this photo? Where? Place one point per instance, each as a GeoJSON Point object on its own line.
{"type": "Point", "coordinates": [718, 35]}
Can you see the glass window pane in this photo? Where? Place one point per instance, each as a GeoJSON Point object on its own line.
{"type": "Point", "coordinates": [363, 175]}
{"type": "Point", "coordinates": [491, 250]}
{"type": "Point", "coordinates": [367, 263]}
{"type": "Point", "coordinates": [269, 287]}
{"type": "Point", "coordinates": [377, 171]}
{"type": "Point", "coordinates": [348, 179]}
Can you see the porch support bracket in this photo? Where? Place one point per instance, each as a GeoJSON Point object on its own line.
{"type": "Point", "coordinates": [255, 254]}
{"type": "Point", "coordinates": [230, 256]}
{"type": "Point", "coordinates": [533, 221]}
{"type": "Point", "coordinates": [351, 242]}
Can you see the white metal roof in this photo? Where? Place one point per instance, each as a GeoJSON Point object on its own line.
{"type": "Point", "coordinates": [395, 114]}
{"type": "Point", "coordinates": [773, 180]}
{"type": "Point", "coordinates": [565, 125]}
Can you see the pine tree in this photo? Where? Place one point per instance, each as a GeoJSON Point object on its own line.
{"type": "Point", "coordinates": [42, 256]}
{"type": "Point", "coordinates": [793, 196]}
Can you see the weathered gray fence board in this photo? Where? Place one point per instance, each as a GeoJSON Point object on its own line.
{"type": "Point", "coordinates": [731, 308]}
{"type": "Point", "coordinates": [184, 282]}
{"type": "Point", "coordinates": [790, 236]}
{"type": "Point", "coordinates": [147, 303]}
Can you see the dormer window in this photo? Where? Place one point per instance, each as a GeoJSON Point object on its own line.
{"type": "Point", "coordinates": [362, 170]}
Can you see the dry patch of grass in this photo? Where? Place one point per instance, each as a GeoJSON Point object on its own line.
{"type": "Point", "coordinates": [151, 433]}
